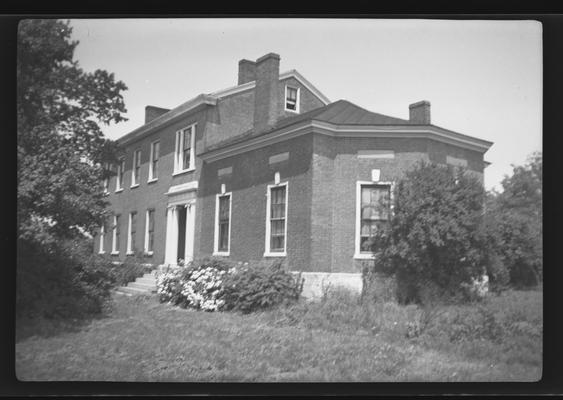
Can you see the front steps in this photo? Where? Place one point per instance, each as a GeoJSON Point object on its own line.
{"type": "Point", "coordinates": [143, 285]}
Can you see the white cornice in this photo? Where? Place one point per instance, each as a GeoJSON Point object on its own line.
{"type": "Point", "coordinates": [367, 131]}
{"type": "Point", "coordinates": [184, 187]}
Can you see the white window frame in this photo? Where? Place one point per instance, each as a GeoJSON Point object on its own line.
{"type": "Point", "coordinates": [146, 246]}
{"type": "Point", "coordinates": [129, 234]}
{"type": "Point", "coordinates": [297, 100]}
{"type": "Point", "coordinates": [267, 252]}
{"type": "Point", "coordinates": [102, 239]}
{"type": "Point", "coordinates": [106, 179]}
{"type": "Point", "coordinates": [114, 249]}
{"type": "Point", "coordinates": [179, 168]}
{"type": "Point", "coordinates": [136, 159]}
{"type": "Point", "coordinates": [357, 252]}
{"type": "Point", "coordinates": [216, 251]}
{"type": "Point", "coordinates": [120, 175]}
{"type": "Point", "coordinates": [153, 178]}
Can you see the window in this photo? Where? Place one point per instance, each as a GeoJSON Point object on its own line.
{"type": "Point", "coordinates": [131, 246]}
{"type": "Point", "coordinates": [291, 99]}
{"type": "Point", "coordinates": [276, 226]}
{"type": "Point", "coordinates": [115, 239]}
{"type": "Point", "coordinates": [149, 232]}
{"type": "Point", "coordinates": [106, 177]}
{"type": "Point", "coordinates": [120, 174]}
{"type": "Point", "coordinates": [374, 201]}
{"type": "Point", "coordinates": [223, 224]}
{"type": "Point", "coordinates": [135, 178]}
{"type": "Point", "coordinates": [184, 154]}
{"type": "Point", "coordinates": [102, 238]}
{"type": "Point", "coordinates": [153, 165]}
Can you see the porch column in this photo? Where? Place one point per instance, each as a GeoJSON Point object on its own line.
{"type": "Point", "coordinates": [171, 236]}
{"type": "Point", "coordinates": [190, 222]}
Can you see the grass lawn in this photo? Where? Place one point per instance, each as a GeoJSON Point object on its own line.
{"type": "Point", "coordinates": [143, 340]}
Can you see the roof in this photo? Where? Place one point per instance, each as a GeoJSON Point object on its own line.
{"type": "Point", "coordinates": [343, 119]}
{"type": "Point", "coordinates": [211, 99]}
{"type": "Point", "coordinates": [341, 112]}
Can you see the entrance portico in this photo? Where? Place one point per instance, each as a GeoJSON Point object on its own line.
{"type": "Point", "coordinates": [180, 223]}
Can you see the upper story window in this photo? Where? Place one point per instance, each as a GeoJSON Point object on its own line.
{"type": "Point", "coordinates": [373, 206]}
{"type": "Point", "coordinates": [102, 238]}
{"type": "Point", "coordinates": [106, 178]}
{"type": "Point", "coordinates": [292, 99]}
{"type": "Point", "coordinates": [120, 175]}
{"type": "Point", "coordinates": [153, 165]}
{"type": "Point", "coordinates": [136, 175]}
{"type": "Point", "coordinates": [276, 220]}
{"type": "Point", "coordinates": [222, 224]}
{"type": "Point", "coordinates": [184, 159]}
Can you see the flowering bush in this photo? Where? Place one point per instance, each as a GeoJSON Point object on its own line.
{"type": "Point", "coordinates": [196, 285]}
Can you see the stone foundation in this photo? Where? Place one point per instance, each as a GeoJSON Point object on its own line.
{"type": "Point", "coordinates": [317, 283]}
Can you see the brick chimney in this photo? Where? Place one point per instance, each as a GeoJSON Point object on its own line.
{"type": "Point", "coordinates": [152, 112]}
{"type": "Point", "coordinates": [246, 71]}
{"type": "Point", "coordinates": [267, 102]}
{"type": "Point", "coordinates": [419, 113]}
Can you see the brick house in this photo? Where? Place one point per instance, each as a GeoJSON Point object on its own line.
{"type": "Point", "coordinates": [267, 169]}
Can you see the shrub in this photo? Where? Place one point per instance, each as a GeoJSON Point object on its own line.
{"type": "Point", "coordinates": [197, 285]}
{"type": "Point", "coordinates": [435, 235]}
{"type": "Point", "coordinates": [62, 281]}
{"type": "Point", "coordinates": [254, 287]}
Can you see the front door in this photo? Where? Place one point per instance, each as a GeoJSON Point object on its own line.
{"type": "Point", "coordinates": [180, 233]}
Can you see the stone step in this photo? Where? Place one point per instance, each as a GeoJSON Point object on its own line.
{"type": "Point", "coordinates": [141, 285]}
{"type": "Point", "coordinates": [120, 293]}
{"type": "Point", "coordinates": [132, 290]}
{"type": "Point", "coordinates": [147, 281]}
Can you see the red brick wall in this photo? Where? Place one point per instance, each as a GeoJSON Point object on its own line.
{"type": "Point", "coordinates": [335, 170]}
{"type": "Point", "coordinates": [248, 184]}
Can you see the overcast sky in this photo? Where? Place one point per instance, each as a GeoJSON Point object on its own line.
{"type": "Point", "coordinates": [482, 78]}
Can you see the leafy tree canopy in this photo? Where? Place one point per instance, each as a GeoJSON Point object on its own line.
{"type": "Point", "coordinates": [61, 147]}
{"type": "Point", "coordinates": [435, 236]}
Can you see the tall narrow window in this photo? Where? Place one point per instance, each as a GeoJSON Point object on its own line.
{"type": "Point", "coordinates": [131, 245]}
{"type": "Point", "coordinates": [106, 177]}
{"type": "Point", "coordinates": [374, 208]}
{"type": "Point", "coordinates": [276, 228]}
{"type": "Point", "coordinates": [120, 175]}
{"type": "Point", "coordinates": [291, 99]}
{"type": "Point", "coordinates": [149, 232]}
{"type": "Point", "coordinates": [184, 154]}
{"type": "Point", "coordinates": [135, 178]}
{"type": "Point", "coordinates": [153, 165]}
{"type": "Point", "coordinates": [115, 239]}
{"type": "Point", "coordinates": [102, 238]}
{"type": "Point", "coordinates": [223, 224]}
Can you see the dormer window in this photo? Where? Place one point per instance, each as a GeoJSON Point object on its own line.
{"type": "Point", "coordinates": [184, 159]}
{"type": "Point", "coordinates": [292, 99]}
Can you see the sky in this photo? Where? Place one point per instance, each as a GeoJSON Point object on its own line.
{"type": "Point", "coordinates": [482, 78]}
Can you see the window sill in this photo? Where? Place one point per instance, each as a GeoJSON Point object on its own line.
{"type": "Point", "coordinates": [130, 253]}
{"type": "Point", "coordinates": [119, 190]}
{"type": "Point", "coordinates": [222, 253]}
{"type": "Point", "coordinates": [364, 256]}
{"type": "Point", "coordinates": [101, 252]}
{"type": "Point", "coordinates": [152, 180]}
{"type": "Point", "coordinates": [292, 111]}
{"type": "Point", "coordinates": [183, 171]}
{"type": "Point", "coordinates": [115, 253]}
{"type": "Point", "coordinates": [148, 253]}
{"type": "Point", "coordinates": [106, 193]}
{"type": "Point", "coordinates": [134, 186]}
{"type": "Point", "coordinates": [280, 254]}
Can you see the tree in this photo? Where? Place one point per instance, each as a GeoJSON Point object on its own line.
{"type": "Point", "coordinates": [61, 148]}
{"type": "Point", "coordinates": [515, 218]}
{"type": "Point", "coordinates": [434, 239]}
